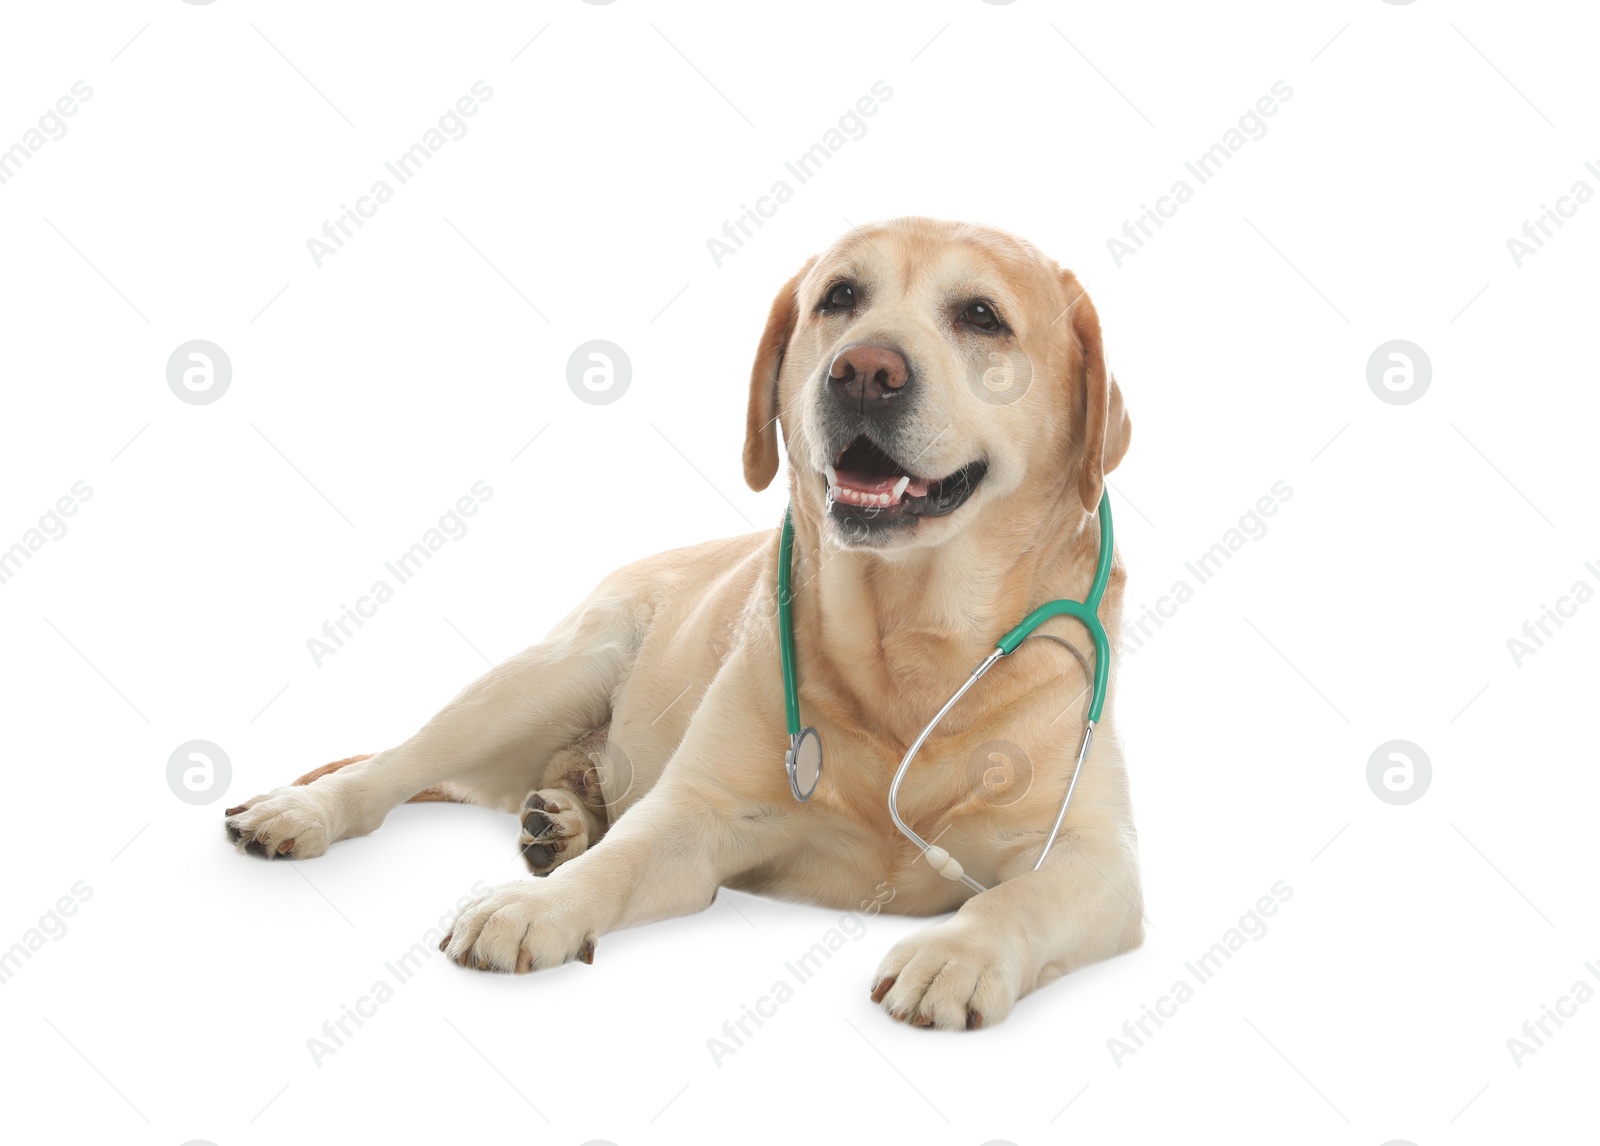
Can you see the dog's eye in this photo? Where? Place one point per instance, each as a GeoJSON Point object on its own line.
{"type": "Point", "coordinates": [840, 296]}
{"type": "Point", "coordinates": [981, 315]}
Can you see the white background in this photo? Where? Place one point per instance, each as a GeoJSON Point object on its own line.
{"type": "Point", "coordinates": [369, 394]}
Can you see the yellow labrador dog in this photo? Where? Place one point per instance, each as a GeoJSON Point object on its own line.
{"type": "Point", "coordinates": [935, 503]}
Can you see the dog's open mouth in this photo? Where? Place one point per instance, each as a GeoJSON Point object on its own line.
{"type": "Point", "coordinates": [865, 483]}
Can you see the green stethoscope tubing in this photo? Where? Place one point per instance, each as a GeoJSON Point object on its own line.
{"type": "Point", "coordinates": [791, 690]}
{"type": "Point", "coordinates": [1085, 612]}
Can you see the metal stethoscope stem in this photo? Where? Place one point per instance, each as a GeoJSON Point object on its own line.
{"type": "Point", "coordinates": [1086, 613]}
{"type": "Point", "coordinates": [943, 861]}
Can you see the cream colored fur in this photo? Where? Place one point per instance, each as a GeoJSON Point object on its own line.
{"type": "Point", "coordinates": [686, 787]}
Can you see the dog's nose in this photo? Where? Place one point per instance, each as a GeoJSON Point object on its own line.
{"type": "Point", "coordinates": [866, 372]}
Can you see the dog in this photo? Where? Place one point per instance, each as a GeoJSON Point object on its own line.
{"type": "Point", "coordinates": [943, 398]}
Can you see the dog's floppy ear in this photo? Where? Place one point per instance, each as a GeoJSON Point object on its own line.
{"type": "Point", "coordinates": [1101, 427]}
{"type": "Point", "coordinates": [761, 420]}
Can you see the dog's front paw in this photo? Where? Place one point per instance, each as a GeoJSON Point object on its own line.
{"type": "Point", "coordinates": [948, 976]}
{"type": "Point", "coordinates": [521, 927]}
{"type": "Point", "coordinates": [288, 821]}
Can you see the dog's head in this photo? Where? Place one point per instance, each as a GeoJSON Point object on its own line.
{"type": "Point", "coordinates": [927, 374]}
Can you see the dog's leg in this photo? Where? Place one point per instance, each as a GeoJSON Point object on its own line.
{"type": "Point", "coordinates": [1082, 906]}
{"type": "Point", "coordinates": [490, 745]}
{"type": "Point", "coordinates": [666, 856]}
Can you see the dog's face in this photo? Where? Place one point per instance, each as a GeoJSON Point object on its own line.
{"type": "Point", "coordinates": [924, 374]}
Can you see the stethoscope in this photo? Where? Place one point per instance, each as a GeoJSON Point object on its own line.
{"type": "Point", "coordinates": [803, 761]}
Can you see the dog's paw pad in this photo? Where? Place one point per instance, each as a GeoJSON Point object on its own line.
{"type": "Point", "coordinates": [554, 830]}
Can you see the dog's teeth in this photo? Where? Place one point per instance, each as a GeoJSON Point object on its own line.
{"type": "Point", "coordinates": [900, 488]}
{"type": "Point", "coordinates": [833, 475]}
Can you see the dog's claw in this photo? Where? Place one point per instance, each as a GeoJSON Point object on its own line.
{"type": "Point", "coordinates": [586, 952]}
{"type": "Point", "coordinates": [882, 989]}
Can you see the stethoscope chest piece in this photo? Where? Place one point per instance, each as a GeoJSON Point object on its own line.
{"type": "Point", "coordinates": [803, 762]}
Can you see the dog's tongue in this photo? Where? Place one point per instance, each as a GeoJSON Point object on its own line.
{"type": "Point", "coordinates": [867, 483]}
